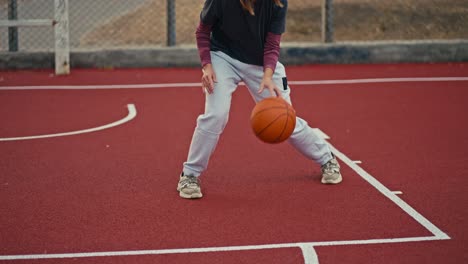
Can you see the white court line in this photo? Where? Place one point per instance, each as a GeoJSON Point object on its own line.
{"type": "Point", "coordinates": [304, 246]}
{"type": "Point", "coordinates": [131, 114]}
{"type": "Point", "coordinates": [218, 249]}
{"type": "Point", "coordinates": [309, 254]}
{"type": "Point", "coordinates": [383, 80]}
{"type": "Point", "coordinates": [181, 85]}
{"type": "Point", "coordinates": [390, 195]}
{"type": "Point", "coordinates": [320, 133]}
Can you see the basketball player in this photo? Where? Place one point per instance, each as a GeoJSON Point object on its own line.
{"type": "Point", "coordinates": [239, 40]}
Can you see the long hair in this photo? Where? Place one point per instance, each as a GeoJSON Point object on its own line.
{"type": "Point", "coordinates": [248, 5]}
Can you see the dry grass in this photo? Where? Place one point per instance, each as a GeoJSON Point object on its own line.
{"type": "Point", "coordinates": [384, 20]}
{"type": "Point", "coordinates": [354, 20]}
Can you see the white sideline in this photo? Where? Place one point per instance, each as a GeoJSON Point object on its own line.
{"type": "Point", "coordinates": [390, 195]}
{"type": "Point", "coordinates": [182, 85]}
{"type": "Point", "coordinates": [131, 114]}
{"type": "Point", "coordinates": [307, 248]}
{"type": "Point", "coordinates": [218, 249]}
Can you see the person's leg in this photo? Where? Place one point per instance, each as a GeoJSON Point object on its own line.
{"type": "Point", "coordinates": [211, 124]}
{"type": "Point", "coordinates": [209, 127]}
{"type": "Point", "coordinates": [303, 138]}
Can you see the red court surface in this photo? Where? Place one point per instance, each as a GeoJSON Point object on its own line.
{"type": "Point", "coordinates": [89, 165]}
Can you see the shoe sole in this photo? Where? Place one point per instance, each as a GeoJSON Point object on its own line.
{"type": "Point", "coordinates": [191, 196]}
{"type": "Point", "coordinates": [332, 181]}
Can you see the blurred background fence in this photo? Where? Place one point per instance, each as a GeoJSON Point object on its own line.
{"type": "Point", "coordinates": [122, 24]}
{"type": "Point", "coordinates": [154, 33]}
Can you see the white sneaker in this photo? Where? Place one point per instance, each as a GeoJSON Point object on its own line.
{"type": "Point", "coordinates": [331, 172]}
{"type": "Point", "coordinates": [189, 187]}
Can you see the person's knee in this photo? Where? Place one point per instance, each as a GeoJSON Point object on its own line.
{"type": "Point", "coordinates": [213, 122]}
{"type": "Point", "coordinates": [301, 126]}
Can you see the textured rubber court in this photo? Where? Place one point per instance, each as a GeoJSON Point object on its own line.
{"type": "Point", "coordinates": [89, 165]}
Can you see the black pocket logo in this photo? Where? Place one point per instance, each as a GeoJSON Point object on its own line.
{"type": "Point", "coordinates": [285, 83]}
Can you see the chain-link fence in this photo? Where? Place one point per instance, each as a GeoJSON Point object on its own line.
{"type": "Point", "coordinates": [26, 38]}
{"type": "Point", "coordinates": [111, 24]}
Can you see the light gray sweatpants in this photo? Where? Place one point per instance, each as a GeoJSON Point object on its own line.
{"type": "Point", "coordinates": [229, 73]}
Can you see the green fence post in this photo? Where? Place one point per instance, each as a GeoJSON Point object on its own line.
{"type": "Point", "coordinates": [12, 31]}
{"type": "Point", "coordinates": [327, 21]}
{"type": "Point", "coordinates": [171, 23]}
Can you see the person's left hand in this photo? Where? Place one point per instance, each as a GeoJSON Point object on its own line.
{"type": "Point", "coordinates": [268, 83]}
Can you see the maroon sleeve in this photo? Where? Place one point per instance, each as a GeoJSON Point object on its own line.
{"type": "Point", "coordinates": [271, 51]}
{"type": "Point", "coordinates": [203, 35]}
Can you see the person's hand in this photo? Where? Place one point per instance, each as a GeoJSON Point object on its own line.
{"type": "Point", "coordinates": [268, 83]}
{"type": "Point", "coordinates": [208, 78]}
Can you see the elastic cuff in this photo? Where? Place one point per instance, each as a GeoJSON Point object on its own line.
{"type": "Point", "coordinates": [329, 156]}
{"type": "Point", "coordinates": [272, 67]}
{"type": "Point", "coordinates": [205, 63]}
{"type": "Point", "coordinates": [186, 172]}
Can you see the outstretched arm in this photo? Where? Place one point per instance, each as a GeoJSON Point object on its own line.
{"type": "Point", "coordinates": [270, 58]}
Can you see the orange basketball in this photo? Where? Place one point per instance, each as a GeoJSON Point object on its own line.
{"type": "Point", "coordinates": [273, 120]}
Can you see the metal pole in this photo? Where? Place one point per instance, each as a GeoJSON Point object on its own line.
{"type": "Point", "coordinates": [171, 23]}
{"type": "Point", "coordinates": [12, 31]}
{"type": "Point", "coordinates": [62, 37]}
{"type": "Point", "coordinates": [327, 21]}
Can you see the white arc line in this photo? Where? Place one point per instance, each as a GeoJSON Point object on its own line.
{"type": "Point", "coordinates": [131, 114]}
{"type": "Point", "coordinates": [309, 254]}
{"type": "Point", "coordinates": [181, 85]}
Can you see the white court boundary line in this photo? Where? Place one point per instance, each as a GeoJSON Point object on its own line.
{"type": "Point", "coordinates": [182, 85]}
{"type": "Point", "coordinates": [307, 248]}
{"type": "Point", "coordinates": [131, 114]}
